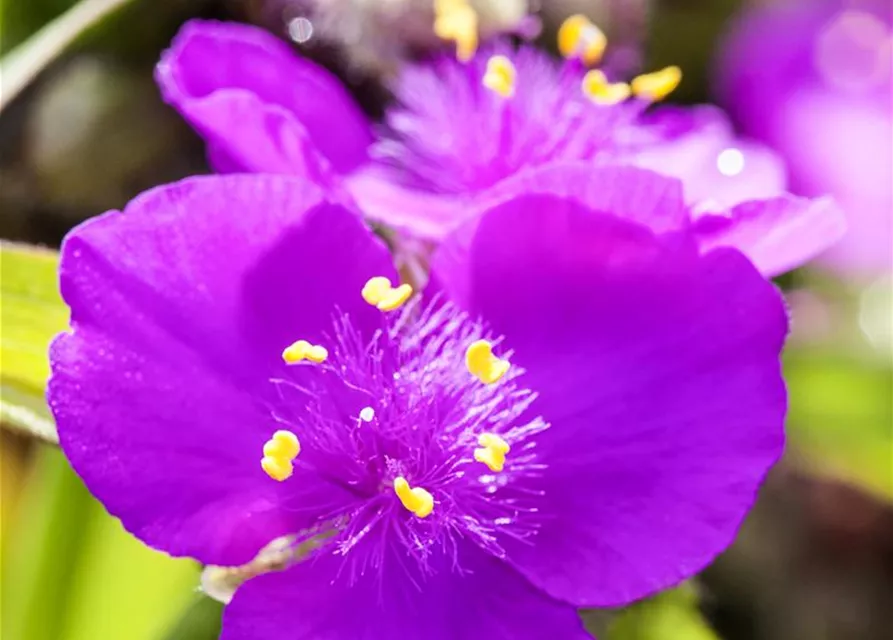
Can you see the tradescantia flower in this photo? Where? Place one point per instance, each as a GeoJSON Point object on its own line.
{"type": "Point", "coordinates": [578, 411]}
{"type": "Point", "coordinates": [814, 79]}
{"type": "Point", "coordinates": [459, 129]}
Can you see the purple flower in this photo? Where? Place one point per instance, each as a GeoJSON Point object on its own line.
{"type": "Point", "coordinates": [449, 140]}
{"type": "Point", "coordinates": [578, 411]}
{"type": "Point", "coordinates": [813, 79]}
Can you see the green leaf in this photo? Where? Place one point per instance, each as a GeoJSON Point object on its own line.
{"type": "Point", "coordinates": [840, 416]}
{"type": "Point", "coordinates": [31, 314]}
{"type": "Point", "coordinates": [201, 621]}
{"type": "Point", "coordinates": [77, 574]}
{"type": "Point", "coordinates": [41, 549]}
{"type": "Point", "coordinates": [21, 65]}
{"type": "Point", "coordinates": [672, 615]}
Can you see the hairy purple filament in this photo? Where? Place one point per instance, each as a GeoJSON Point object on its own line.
{"type": "Point", "coordinates": [423, 415]}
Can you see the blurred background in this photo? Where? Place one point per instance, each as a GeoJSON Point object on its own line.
{"type": "Point", "coordinates": [83, 129]}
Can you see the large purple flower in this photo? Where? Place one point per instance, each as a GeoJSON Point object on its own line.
{"type": "Point", "coordinates": [449, 139]}
{"type": "Point", "coordinates": [577, 412]}
{"type": "Point", "coordinates": [813, 79]}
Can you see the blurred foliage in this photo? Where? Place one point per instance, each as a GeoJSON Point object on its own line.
{"type": "Point", "coordinates": [68, 560]}
{"type": "Point", "coordinates": [19, 19]}
{"type": "Point", "coordinates": [31, 313]}
{"type": "Point", "coordinates": [201, 621]}
{"type": "Point", "coordinates": [841, 412]}
{"type": "Point", "coordinates": [672, 615]}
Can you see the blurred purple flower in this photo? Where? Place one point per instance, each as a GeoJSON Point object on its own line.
{"type": "Point", "coordinates": [643, 405]}
{"type": "Point", "coordinates": [448, 140]}
{"type": "Point", "coordinates": [813, 79]}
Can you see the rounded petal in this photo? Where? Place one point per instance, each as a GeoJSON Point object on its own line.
{"type": "Point", "coordinates": [180, 308]}
{"type": "Point", "coordinates": [485, 600]}
{"type": "Point", "coordinates": [424, 214]}
{"type": "Point", "coordinates": [659, 373]}
{"type": "Point", "coordinates": [698, 146]}
{"type": "Point", "coordinates": [777, 235]}
{"type": "Point", "coordinates": [260, 106]}
{"type": "Point", "coordinates": [630, 193]}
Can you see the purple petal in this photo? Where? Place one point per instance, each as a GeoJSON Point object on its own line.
{"type": "Point", "coordinates": [659, 372]}
{"type": "Point", "coordinates": [487, 600]}
{"type": "Point", "coordinates": [630, 193]}
{"type": "Point", "coordinates": [424, 214]}
{"type": "Point", "coordinates": [180, 307]}
{"type": "Point", "coordinates": [777, 235]}
{"type": "Point", "coordinates": [698, 146]}
{"type": "Point", "coordinates": [259, 105]}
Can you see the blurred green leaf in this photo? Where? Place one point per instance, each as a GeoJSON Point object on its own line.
{"type": "Point", "coordinates": [42, 549]}
{"type": "Point", "coordinates": [672, 615]}
{"type": "Point", "coordinates": [201, 621]}
{"type": "Point", "coordinates": [18, 20]}
{"type": "Point", "coordinates": [140, 591]}
{"type": "Point", "coordinates": [78, 575]}
{"type": "Point", "coordinates": [21, 65]}
{"type": "Point", "coordinates": [31, 313]}
{"type": "Point", "coordinates": [841, 409]}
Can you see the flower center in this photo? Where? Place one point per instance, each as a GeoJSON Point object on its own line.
{"type": "Point", "coordinates": [421, 422]}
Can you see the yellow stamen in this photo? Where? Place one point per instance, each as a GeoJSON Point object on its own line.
{"type": "Point", "coordinates": [279, 470]}
{"type": "Point", "coordinates": [379, 293]}
{"type": "Point", "coordinates": [492, 451]}
{"type": "Point", "coordinates": [303, 350]}
{"type": "Point", "coordinates": [597, 88]}
{"type": "Point", "coordinates": [500, 76]}
{"type": "Point", "coordinates": [579, 38]}
{"type": "Point", "coordinates": [493, 441]}
{"type": "Point", "coordinates": [279, 454]}
{"type": "Point", "coordinates": [657, 85]}
{"type": "Point", "coordinates": [456, 20]}
{"type": "Point", "coordinates": [375, 289]}
{"type": "Point", "coordinates": [482, 364]}
{"type": "Point", "coordinates": [283, 444]}
{"type": "Point", "coordinates": [416, 500]}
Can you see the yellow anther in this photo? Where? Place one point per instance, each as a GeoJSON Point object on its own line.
{"type": "Point", "coordinates": [416, 500]}
{"type": "Point", "coordinates": [379, 293]}
{"type": "Point", "coordinates": [579, 38]}
{"type": "Point", "coordinates": [279, 453]}
{"type": "Point", "coordinates": [500, 76]}
{"type": "Point", "coordinates": [303, 350]}
{"type": "Point", "coordinates": [492, 451]}
{"type": "Point", "coordinates": [597, 88]}
{"type": "Point", "coordinates": [657, 85]}
{"type": "Point", "coordinates": [493, 441]}
{"type": "Point", "coordinates": [375, 289]}
{"type": "Point", "coordinates": [482, 364]}
{"type": "Point", "coordinates": [278, 469]}
{"type": "Point", "coordinates": [283, 444]}
{"type": "Point", "coordinates": [456, 20]}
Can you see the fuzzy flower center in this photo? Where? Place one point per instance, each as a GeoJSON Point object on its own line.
{"type": "Point", "coordinates": [461, 126]}
{"type": "Point", "coordinates": [423, 426]}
